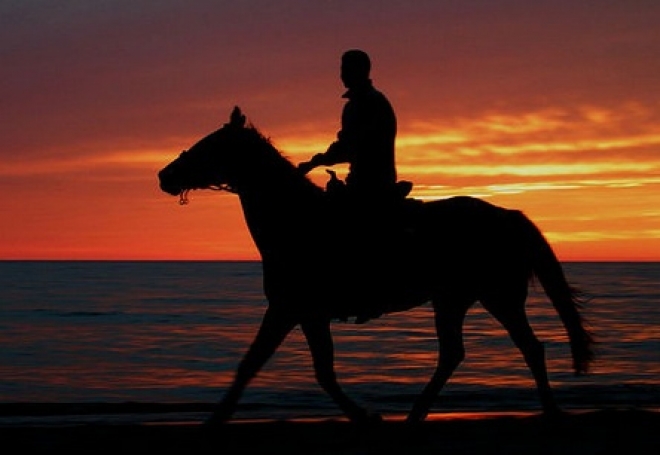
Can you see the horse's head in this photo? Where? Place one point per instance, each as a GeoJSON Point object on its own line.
{"type": "Point", "coordinates": [211, 163]}
{"type": "Point", "coordinates": [237, 158]}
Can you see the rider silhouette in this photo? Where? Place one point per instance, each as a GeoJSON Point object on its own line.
{"type": "Point", "coordinates": [366, 141]}
{"type": "Point", "coordinates": [367, 135]}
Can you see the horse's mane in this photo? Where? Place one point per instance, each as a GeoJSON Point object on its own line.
{"type": "Point", "coordinates": [274, 161]}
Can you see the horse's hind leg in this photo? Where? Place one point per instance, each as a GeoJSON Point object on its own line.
{"type": "Point", "coordinates": [319, 340]}
{"type": "Point", "coordinates": [449, 317]}
{"type": "Point", "coordinates": [510, 312]}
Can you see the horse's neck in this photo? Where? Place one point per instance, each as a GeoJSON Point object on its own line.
{"type": "Point", "coordinates": [278, 203]}
{"type": "Point", "coordinates": [278, 218]}
{"type": "Point", "coordinates": [255, 215]}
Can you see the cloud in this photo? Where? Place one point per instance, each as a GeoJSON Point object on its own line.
{"type": "Point", "coordinates": [498, 99]}
{"type": "Point", "coordinates": [565, 144]}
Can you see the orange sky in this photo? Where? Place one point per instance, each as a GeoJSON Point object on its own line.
{"type": "Point", "coordinates": [548, 106]}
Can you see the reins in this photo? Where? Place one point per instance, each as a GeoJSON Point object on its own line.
{"type": "Point", "coordinates": [183, 196]}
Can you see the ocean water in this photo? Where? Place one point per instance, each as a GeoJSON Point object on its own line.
{"type": "Point", "coordinates": [174, 332]}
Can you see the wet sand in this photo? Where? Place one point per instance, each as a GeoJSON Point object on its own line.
{"type": "Point", "coordinates": [626, 432]}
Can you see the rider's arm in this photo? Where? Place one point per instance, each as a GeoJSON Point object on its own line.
{"type": "Point", "coordinates": [336, 153]}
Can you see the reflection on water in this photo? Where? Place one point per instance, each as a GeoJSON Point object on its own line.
{"type": "Point", "coordinates": [175, 332]}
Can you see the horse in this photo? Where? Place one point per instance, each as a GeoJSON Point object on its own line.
{"type": "Point", "coordinates": [450, 253]}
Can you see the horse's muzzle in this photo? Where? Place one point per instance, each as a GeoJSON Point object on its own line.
{"type": "Point", "coordinates": [166, 183]}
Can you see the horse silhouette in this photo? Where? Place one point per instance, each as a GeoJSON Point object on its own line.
{"type": "Point", "coordinates": [451, 253]}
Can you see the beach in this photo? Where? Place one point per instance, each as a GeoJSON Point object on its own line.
{"type": "Point", "coordinates": [128, 357]}
{"type": "Point", "coordinates": [620, 431]}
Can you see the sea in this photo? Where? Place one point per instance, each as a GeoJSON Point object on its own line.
{"type": "Point", "coordinates": [166, 337]}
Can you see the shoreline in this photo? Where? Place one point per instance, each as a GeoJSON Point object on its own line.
{"type": "Point", "coordinates": [607, 431]}
{"type": "Point", "coordinates": [134, 412]}
{"type": "Point", "coordinates": [41, 414]}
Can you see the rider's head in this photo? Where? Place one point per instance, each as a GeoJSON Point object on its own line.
{"type": "Point", "coordinates": [355, 67]}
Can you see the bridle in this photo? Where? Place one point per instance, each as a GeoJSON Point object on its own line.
{"type": "Point", "coordinates": [183, 195]}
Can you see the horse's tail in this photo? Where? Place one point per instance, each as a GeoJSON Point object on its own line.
{"type": "Point", "coordinates": [566, 299]}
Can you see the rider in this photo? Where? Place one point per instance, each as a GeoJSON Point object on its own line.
{"type": "Point", "coordinates": [366, 141]}
{"type": "Point", "coordinates": [367, 135]}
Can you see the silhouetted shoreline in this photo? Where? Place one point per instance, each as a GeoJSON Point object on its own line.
{"type": "Point", "coordinates": [618, 431]}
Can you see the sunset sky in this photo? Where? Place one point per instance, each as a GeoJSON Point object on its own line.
{"type": "Point", "coordinates": [547, 106]}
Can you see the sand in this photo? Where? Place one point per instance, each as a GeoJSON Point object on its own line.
{"type": "Point", "coordinates": [626, 432]}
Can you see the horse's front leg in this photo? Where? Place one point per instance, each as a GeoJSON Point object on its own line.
{"type": "Point", "coordinates": [274, 329]}
{"type": "Point", "coordinates": [321, 347]}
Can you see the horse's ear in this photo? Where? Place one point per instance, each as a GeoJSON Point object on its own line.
{"type": "Point", "coordinates": [237, 119]}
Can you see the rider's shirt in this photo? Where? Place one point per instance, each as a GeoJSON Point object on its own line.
{"type": "Point", "coordinates": [366, 141]}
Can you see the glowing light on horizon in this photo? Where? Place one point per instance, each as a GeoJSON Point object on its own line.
{"type": "Point", "coordinates": [134, 159]}
{"type": "Point", "coordinates": [436, 191]}
{"type": "Point", "coordinates": [496, 134]}
{"type": "Point", "coordinates": [606, 170]}
{"type": "Point", "coordinates": [598, 236]}
{"type": "Point", "coordinates": [528, 169]}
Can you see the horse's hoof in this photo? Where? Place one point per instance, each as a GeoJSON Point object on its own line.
{"type": "Point", "coordinates": [367, 419]}
{"type": "Point", "coordinates": [222, 413]}
{"type": "Point", "coordinates": [374, 418]}
{"type": "Point", "coordinates": [412, 422]}
{"type": "Point", "coordinates": [214, 422]}
{"type": "Point", "coordinates": [415, 418]}
{"type": "Point", "coordinates": [554, 415]}
{"type": "Point", "coordinates": [217, 419]}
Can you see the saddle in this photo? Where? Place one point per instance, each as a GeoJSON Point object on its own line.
{"type": "Point", "coordinates": [392, 217]}
{"type": "Point", "coordinates": [336, 187]}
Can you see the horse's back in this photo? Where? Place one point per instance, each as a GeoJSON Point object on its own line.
{"type": "Point", "coordinates": [461, 217]}
{"type": "Point", "coordinates": [465, 208]}
{"type": "Point", "coordinates": [465, 237]}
